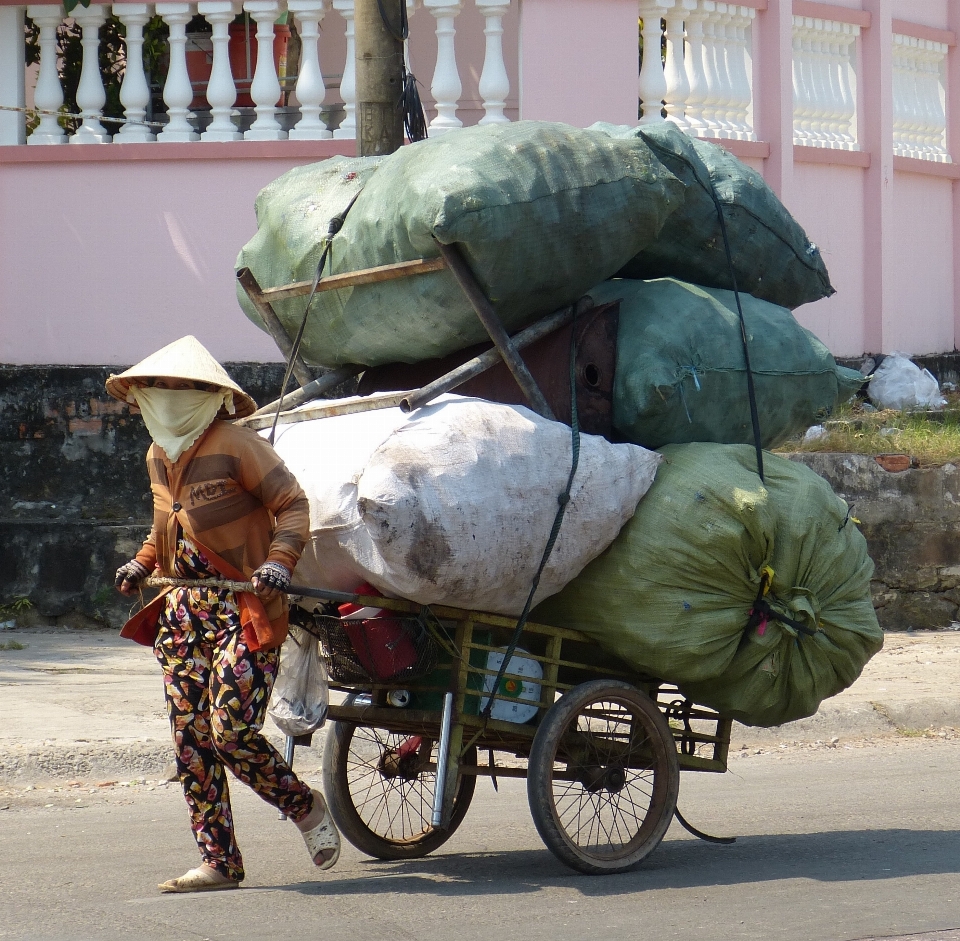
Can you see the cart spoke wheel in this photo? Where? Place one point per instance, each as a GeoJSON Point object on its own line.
{"type": "Point", "coordinates": [603, 777]}
{"type": "Point", "coordinates": [380, 787]}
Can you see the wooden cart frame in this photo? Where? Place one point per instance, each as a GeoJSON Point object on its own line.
{"type": "Point", "coordinates": [399, 778]}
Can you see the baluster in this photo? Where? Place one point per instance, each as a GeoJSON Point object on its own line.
{"type": "Point", "coordinates": [134, 92]}
{"type": "Point", "coordinates": [348, 82]}
{"type": "Point", "coordinates": [310, 89]}
{"type": "Point", "coordinates": [799, 86]}
{"type": "Point", "coordinates": [925, 130]}
{"type": "Point", "coordinates": [446, 87]}
{"type": "Point", "coordinates": [693, 67]}
{"type": "Point", "coordinates": [494, 82]}
{"type": "Point", "coordinates": [811, 46]}
{"type": "Point", "coordinates": [177, 91]}
{"type": "Point", "coordinates": [914, 108]}
{"type": "Point", "coordinates": [674, 71]}
{"type": "Point", "coordinates": [848, 136]}
{"type": "Point", "coordinates": [808, 72]}
{"type": "Point", "coordinates": [936, 138]}
{"type": "Point", "coordinates": [91, 95]}
{"type": "Point", "coordinates": [711, 74]}
{"type": "Point", "coordinates": [652, 84]}
{"type": "Point", "coordinates": [812, 121]}
{"type": "Point", "coordinates": [740, 85]}
{"type": "Point", "coordinates": [835, 67]}
{"type": "Point", "coordinates": [821, 84]}
{"type": "Point", "coordinates": [899, 97]}
{"type": "Point", "coordinates": [918, 106]}
{"type": "Point", "coordinates": [726, 104]}
{"type": "Point", "coordinates": [221, 90]}
{"type": "Point", "coordinates": [48, 94]}
{"type": "Point", "coordinates": [832, 85]}
{"type": "Point", "coordinates": [265, 88]}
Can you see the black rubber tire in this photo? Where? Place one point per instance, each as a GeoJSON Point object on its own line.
{"type": "Point", "coordinates": [392, 820]}
{"type": "Point", "coordinates": [612, 815]}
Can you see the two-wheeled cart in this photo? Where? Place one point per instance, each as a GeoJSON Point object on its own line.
{"type": "Point", "coordinates": [600, 746]}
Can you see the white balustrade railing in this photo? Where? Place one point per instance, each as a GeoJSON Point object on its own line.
{"type": "Point", "coordinates": [703, 82]}
{"type": "Point", "coordinates": [825, 83]}
{"type": "Point", "coordinates": [310, 117]}
{"type": "Point", "coordinates": [919, 115]}
{"type": "Point", "coordinates": [696, 71]}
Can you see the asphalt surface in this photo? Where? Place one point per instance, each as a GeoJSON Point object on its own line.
{"type": "Point", "coordinates": [89, 703]}
{"type": "Point", "coordinates": [833, 844]}
{"type": "Point", "coordinates": [847, 827]}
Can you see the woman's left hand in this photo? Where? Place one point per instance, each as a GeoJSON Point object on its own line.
{"type": "Point", "coordinates": [270, 579]}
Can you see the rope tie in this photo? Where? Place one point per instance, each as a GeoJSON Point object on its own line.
{"type": "Point", "coordinates": [751, 391]}
{"type": "Point", "coordinates": [761, 613]}
{"type": "Point", "coordinates": [562, 500]}
{"type": "Point", "coordinates": [333, 227]}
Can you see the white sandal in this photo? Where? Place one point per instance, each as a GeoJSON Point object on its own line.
{"type": "Point", "coordinates": [324, 836]}
{"type": "Point", "coordinates": [199, 880]}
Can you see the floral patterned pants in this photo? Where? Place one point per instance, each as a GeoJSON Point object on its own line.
{"type": "Point", "coordinates": [217, 693]}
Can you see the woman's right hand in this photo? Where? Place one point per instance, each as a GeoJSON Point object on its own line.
{"type": "Point", "coordinates": [129, 576]}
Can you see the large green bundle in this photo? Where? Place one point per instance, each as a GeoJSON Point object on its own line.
{"type": "Point", "coordinates": [541, 211]}
{"type": "Point", "coordinates": [672, 596]}
{"type": "Point", "coordinates": [680, 367]}
{"type": "Point", "coordinates": [772, 256]}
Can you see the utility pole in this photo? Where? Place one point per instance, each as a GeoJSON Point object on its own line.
{"type": "Point", "coordinates": [379, 77]}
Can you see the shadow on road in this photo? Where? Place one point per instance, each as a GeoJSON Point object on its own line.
{"type": "Point", "coordinates": [845, 856]}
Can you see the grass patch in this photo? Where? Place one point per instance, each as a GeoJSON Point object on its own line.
{"type": "Point", "coordinates": [930, 438]}
{"type": "Point", "coordinates": [17, 606]}
{"type": "Point", "coordinates": [12, 645]}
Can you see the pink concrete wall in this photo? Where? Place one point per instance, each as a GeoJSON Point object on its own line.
{"type": "Point", "coordinates": [921, 309]}
{"type": "Point", "coordinates": [831, 211]}
{"type": "Point", "coordinates": [103, 258]}
{"type": "Point", "coordinates": [579, 61]}
{"type": "Point", "coordinates": [121, 263]}
{"type": "Point", "coordinates": [928, 12]}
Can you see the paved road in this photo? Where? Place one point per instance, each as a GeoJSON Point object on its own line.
{"type": "Point", "coordinates": [834, 844]}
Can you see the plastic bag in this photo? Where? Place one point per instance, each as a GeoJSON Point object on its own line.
{"type": "Point", "coordinates": [900, 383]}
{"type": "Point", "coordinates": [301, 694]}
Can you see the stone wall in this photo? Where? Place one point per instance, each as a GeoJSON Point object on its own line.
{"type": "Point", "coordinates": [910, 521]}
{"type": "Point", "coordinates": [74, 502]}
{"type": "Point", "coordinates": [74, 494]}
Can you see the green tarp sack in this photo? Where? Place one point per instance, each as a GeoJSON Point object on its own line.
{"type": "Point", "coordinates": [680, 373]}
{"type": "Point", "coordinates": [672, 595]}
{"type": "Point", "coordinates": [772, 256]}
{"type": "Point", "coordinates": [541, 211]}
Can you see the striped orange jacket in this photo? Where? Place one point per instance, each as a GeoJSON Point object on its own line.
{"type": "Point", "coordinates": [232, 493]}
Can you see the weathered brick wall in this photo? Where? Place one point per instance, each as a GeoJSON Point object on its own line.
{"type": "Point", "coordinates": [74, 495]}
{"type": "Point", "coordinates": [910, 520]}
{"type": "Point", "coordinates": [74, 502]}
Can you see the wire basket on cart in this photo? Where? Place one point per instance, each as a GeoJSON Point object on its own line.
{"type": "Point", "coordinates": [362, 652]}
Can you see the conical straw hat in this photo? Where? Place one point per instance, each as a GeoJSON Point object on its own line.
{"type": "Point", "coordinates": [186, 358]}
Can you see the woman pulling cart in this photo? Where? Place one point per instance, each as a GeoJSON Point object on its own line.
{"type": "Point", "coordinates": [224, 506]}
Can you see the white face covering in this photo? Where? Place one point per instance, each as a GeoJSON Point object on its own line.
{"type": "Point", "coordinates": [175, 418]}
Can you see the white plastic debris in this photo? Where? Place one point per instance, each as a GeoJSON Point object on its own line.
{"type": "Point", "coordinates": [900, 383]}
{"type": "Point", "coordinates": [814, 432]}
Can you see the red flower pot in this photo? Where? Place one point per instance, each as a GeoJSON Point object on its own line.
{"type": "Point", "coordinates": [243, 60]}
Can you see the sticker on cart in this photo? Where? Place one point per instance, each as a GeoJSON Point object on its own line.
{"type": "Point", "coordinates": [517, 686]}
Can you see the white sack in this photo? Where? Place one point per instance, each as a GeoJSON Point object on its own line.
{"type": "Point", "coordinates": [900, 383]}
{"type": "Point", "coordinates": [454, 504]}
{"type": "Point", "coordinates": [327, 456]}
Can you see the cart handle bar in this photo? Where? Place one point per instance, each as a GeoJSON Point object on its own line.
{"type": "Point", "coordinates": [326, 594]}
